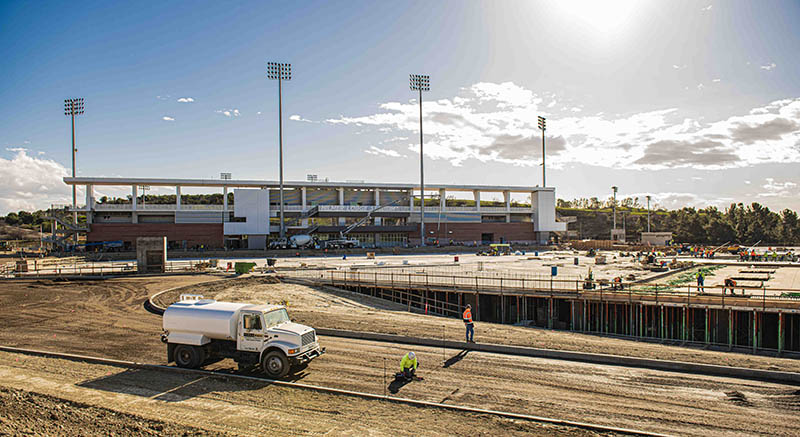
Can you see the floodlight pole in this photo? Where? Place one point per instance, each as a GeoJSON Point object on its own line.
{"type": "Point", "coordinates": [280, 153]}
{"type": "Point", "coordinates": [421, 83]}
{"type": "Point", "coordinates": [73, 107]}
{"type": "Point", "coordinates": [421, 176]}
{"type": "Point", "coordinates": [74, 195]}
{"type": "Point", "coordinates": [281, 72]}
{"type": "Point", "coordinates": [543, 126]}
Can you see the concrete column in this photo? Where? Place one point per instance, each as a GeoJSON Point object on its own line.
{"type": "Point", "coordinates": [89, 197]}
{"type": "Point", "coordinates": [225, 215]}
{"type": "Point", "coordinates": [377, 197]}
{"type": "Point", "coordinates": [507, 198]}
{"type": "Point", "coordinates": [443, 199]}
{"type": "Point", "coordinates": [730, 329]}
{"type": "Point", "coordinates": [89, 203]}
{"type": "Point", "coordinates": [303, 198]}
{"type": "Point", "coordinates": [477, 195]}
{"type": "Point", "coordinates": [178, 198]}
{"type": "Point", "coordinates": [134, 193]}
{"type": "Point", "coordinates": [341, 196]}
{"type": "Point", "coordinates": [411, 199]}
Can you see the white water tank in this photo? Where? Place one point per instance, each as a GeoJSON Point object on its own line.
{"type": "Point", "coordinates": [205, 317]}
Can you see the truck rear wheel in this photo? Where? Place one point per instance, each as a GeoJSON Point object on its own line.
{"type": "Point", "coordinates": [275, 364]}
{"type": "Point", "coordinates": [188, 357]}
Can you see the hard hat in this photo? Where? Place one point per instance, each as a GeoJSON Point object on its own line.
{"type": "Point", "coordinates": [411, 355]}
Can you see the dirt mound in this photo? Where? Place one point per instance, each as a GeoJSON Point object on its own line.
{"type": "Point", "coordinates": [21, 412]}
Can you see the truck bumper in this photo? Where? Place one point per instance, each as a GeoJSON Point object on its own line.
{"type": "Point", "coordinates": [306, 356]}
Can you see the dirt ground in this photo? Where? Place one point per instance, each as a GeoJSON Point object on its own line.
{"type": "Point", "coordinates": [106, 318]}
{"type": "Point", "coordinates": [329, 307]}
{"type": "Point", "coordinates": [23, 412]}
{"type": "Point", "coordinates": [62, 397]}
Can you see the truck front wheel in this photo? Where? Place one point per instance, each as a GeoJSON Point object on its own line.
{"type": "Point", "coordinates": [188, 357]}
{"type": "Point", "coordinates": [275, 364]}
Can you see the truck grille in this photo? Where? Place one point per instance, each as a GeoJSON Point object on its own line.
{"type": "Point", "coordinates": [309, 337]}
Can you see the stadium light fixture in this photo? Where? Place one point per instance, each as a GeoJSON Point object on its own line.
{"type": "Point", "coordinates": [73, 107]}
{"type": "Point", "coordinates": [421, 82]}
{"type": "Point", "coordinates": [280, 71]}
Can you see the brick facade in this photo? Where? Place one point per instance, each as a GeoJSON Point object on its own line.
{"type": "Point", "coordinates": [207, 234]}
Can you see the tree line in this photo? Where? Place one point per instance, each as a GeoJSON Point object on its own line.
{"type": "Point", "coordinates": [738, 224]}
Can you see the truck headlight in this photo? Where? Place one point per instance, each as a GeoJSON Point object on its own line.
{"type": "Point", "coordinates": [293, 351]}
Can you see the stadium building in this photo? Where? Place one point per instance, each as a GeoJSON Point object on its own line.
{"type": "Point", "coordinates": [324, 209]}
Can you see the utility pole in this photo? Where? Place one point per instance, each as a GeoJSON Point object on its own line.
{"type": "Point", "coordinates": [280, 72]}
{"type": "Point", "coordinates": [614, 206]}
{"type": "Point", "coordinates": [542, 126]}
{"type": "Point", "coordinates": [648, 213]}
{"type": "Point", "coordinates": [421, 82]}
{"type": "Point", "coordinates": [73, 107]}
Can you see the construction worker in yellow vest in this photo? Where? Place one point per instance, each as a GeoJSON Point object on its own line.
{"type": "Point", "coordinates": [467, 317]}
{"type": "Point", "coordinates": [408, 365]}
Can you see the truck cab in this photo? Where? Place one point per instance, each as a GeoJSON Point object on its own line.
{"type": "Point", "coordinates": [200, 331]}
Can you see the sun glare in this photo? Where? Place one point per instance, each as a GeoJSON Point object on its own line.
{"type": "Point", "coordinates": [600, 17]}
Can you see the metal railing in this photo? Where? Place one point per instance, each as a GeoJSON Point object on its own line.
{"type": "Point", "coordinates": [75, 266]}
{"type": "Point", "coordinates": [600, 290]}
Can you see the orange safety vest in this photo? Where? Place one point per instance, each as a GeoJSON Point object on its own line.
{"type": "Point", "coordinates": [467, 316]}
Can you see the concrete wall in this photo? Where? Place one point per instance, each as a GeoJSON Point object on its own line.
{"type": "Point", "coordinates": [151, 254]}
{"type": "Point", "coordinates": [253, 206]}
{"type": "Point", "coordinates": [656, 238]}
{"type": "Point", "coordinates": [544, 211]}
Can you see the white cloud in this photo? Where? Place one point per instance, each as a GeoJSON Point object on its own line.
{"type": "Point", "coordinates": [295, 117]}
{"type": "Point", "coordinates": [678, 67]}
{"type": "Point", "coordinates": [768, 67]}
{"type": "Point", "coordinates": [707, 8]}
{"type": "Point", "coordinates": [774, 188]}
{"type": "Point", "coordinates": [30, 183]}
{"type": "Point", "coordinates": [715, 80]}
{"type": "Point", "coordinates": [700, 86]}
{"type": "Point", "coordinates": [228, 112]}
{"type": "Point", "coordinates": [384, 152]}
{"type": "Point", "coordinates": [497, 122]}
{"type": "Point", "coordinates": [185, 100]}
{"type": "Point", "coordinates": [16, 149]}
{"type": "Point", "coordinates": [167, 118]}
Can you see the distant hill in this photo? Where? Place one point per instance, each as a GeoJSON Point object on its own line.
{"type": "Point", "coordinates": [8, 232]}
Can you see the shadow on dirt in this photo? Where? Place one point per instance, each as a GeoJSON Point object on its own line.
{"type": "Point", "coordinates": [177, 387]}
{"type": "Point", "coordinates": [455, 358]}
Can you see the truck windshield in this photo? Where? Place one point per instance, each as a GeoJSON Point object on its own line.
{"type": "Point", "coordinates": [276, 317]}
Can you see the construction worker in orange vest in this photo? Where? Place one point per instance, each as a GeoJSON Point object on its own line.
{"type": "Point", "coordinates": [468, 323]}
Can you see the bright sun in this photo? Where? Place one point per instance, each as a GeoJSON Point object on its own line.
{"type": "Point", "coordinates": [603, 17]}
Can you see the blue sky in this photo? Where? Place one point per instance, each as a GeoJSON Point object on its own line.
{"type": "Point", "coordinates": [696, 103]}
